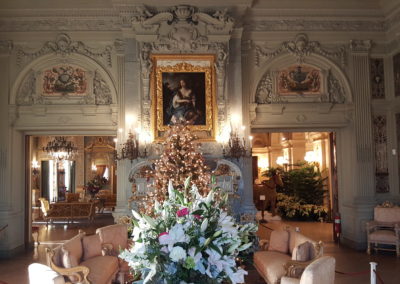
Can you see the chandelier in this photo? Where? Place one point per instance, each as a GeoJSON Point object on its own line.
{"type": "Point", "coordinates": [60, 148]}
{"type": "Point", "coordinates": [130, 149]}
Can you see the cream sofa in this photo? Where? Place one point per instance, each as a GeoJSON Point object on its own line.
{"type": "Point", "coordinates": [384, 229]}
{"type": "Point", "coordinates": [287, 253]}
{"type": "Point", "coordinates": [83, 260]}
{"type": "Point", "coordinates": [321, 270]}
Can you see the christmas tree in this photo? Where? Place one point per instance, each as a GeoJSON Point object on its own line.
{"type": "Point", "coordinates": [179, 161]}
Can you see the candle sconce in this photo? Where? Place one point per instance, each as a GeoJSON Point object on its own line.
{"type": "Point", "coordinates": [130, 149]}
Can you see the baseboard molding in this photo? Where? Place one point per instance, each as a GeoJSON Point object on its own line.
{"type": "Point", "coordinates": [4, 254]}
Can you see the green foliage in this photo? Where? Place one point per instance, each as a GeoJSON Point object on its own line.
{"type": "Point", "coordinates": [305, 183]}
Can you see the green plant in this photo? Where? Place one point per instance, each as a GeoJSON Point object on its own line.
{"type": "Point", "coordinates": [305, 183]}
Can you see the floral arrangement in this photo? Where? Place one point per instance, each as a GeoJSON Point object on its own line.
{"type": "Point", "coordinates": [190, 239]}
{"type": "Point", "coordinates": [94, 185]}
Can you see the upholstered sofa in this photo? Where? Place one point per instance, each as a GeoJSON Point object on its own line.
{"type": "Point", "coordinates": [384, 229]}
{"type": "Point", "coordinates": [321, 270]}
{"type": "Point", "coordinates": [68, 211]}
{"type": "Point", "coordinates": [287, 253]}
{"type": "Point", "coordinates": [83, 259]}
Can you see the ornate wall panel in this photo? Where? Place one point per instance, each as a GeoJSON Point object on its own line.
{"type": "Point", "coordinates": [377, 77]}
{"type": "Point", "coordinates": [381, 154]}
{"type": "Point", "coordinates": [182, 29]}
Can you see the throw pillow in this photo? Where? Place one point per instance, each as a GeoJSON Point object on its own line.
{"type": "Point", "coordinates": [279, 241]}
{"type": "Point", "coordinates": [72, 252]}
{"type": "Point", "coordinates": [302, 252]}
{"type": "Point", "coordinates": [91, 246]}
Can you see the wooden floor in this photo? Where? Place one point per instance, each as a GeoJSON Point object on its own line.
{"type": "Point", "coordinates": [15, 270]}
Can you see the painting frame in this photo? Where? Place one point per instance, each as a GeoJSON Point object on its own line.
{"type": "Point", "coordinates": [197, 69]}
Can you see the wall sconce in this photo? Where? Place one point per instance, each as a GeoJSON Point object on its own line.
{"type": "Point", "coordinates": [35, 167]}
{"type": "Point", "coordinates": [130, 149]}
{"type": "Point", "coordinates": [237, 146]}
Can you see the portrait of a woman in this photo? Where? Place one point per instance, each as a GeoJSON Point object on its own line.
{"type": "Point", "coordinates": [183, 96]}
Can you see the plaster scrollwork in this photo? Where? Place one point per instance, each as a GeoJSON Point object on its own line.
{"type": "Point", "coordinates": [335, 90]}
{"type": "Point", "coordinates": [265, 93]}
{"type": "Point", "coordinates": [63, 45]}
{"type": "Point", "coordinates": [101, 90]}
{"type": "Point", "coordinates": [301, 47]}
{"type": "Point", "coordinates": [146, 63]}
{"type": "Point", "coordinates": [27, 93]}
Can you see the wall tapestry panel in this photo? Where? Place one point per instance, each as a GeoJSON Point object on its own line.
{"type": "Point", "coordinates": [396, 74]}
{"type": "Point", "coordinates": [377, 76]}
{"type": "Point", "coordinates": [381, 154]}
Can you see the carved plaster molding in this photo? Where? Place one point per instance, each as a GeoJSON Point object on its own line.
{"type": "Point", "coordinates": [63, 45]}
{"type": "Point", "coordinates": [183, 29]}
{"type": "Point", "coordinates": [300, 48]}
{"type": "Point", "coordinates": [28, 93]}
{"type": "Point", "coordinates": [64, 22]}
{"type": "Point", "coordinates": [360, 45]}
{"type": "Point", "coordinates": [336, 90]}
{"type": "Point", "coordinates": [265, 93]}
{"type": "Point", "coordinates": [144, 20]}
{"type": "Point", "coordinates": [317, 25]}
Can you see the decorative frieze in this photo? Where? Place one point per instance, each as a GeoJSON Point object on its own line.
{"type": "Point", "coordinates": [316, 25]}
{"type": "Point", "coordinates": [381, 154]}
{"type": "Point", "coordinates": [300, 48]}
{"type": "Point", "coordinates": [377, 78]}
{"type": "Point", "coordinates": [63, 45]}
{"type": "Point", "coordinates": [59, 24]}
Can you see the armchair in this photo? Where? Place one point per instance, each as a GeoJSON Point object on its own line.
{"type": "Point", "coordinates": [384, 229]}
{"type": "Point", "coordinates": [114, 238]}
{"type": "Point", "coordinates": [321, 270]}
{"type": "Point", "coordinates": [80, 260]}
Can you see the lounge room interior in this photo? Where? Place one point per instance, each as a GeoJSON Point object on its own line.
{"type": "Point", "coordinates": [236, 141]}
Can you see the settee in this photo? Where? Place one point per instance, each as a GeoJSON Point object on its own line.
{"type": "Point", "coordinates": [68, 211]}
{"type": "Point", "coordinates": [88, 259]}
{"type": "Point", "coordinates": [287, 253]}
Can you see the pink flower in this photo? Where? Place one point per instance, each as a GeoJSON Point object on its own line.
{"type": "Point", "coordinates": [162, 234]}
{"type": "Point", "coordinates": [198, 217]}
{"type": "Point", "coordinates": [182, 212]}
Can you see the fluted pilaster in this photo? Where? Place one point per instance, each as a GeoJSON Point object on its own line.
{"type": "Point", "coordinates": [363, 117]}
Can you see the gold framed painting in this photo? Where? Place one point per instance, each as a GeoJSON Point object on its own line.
{"type": "Point", "coordinates": [183, 88]}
